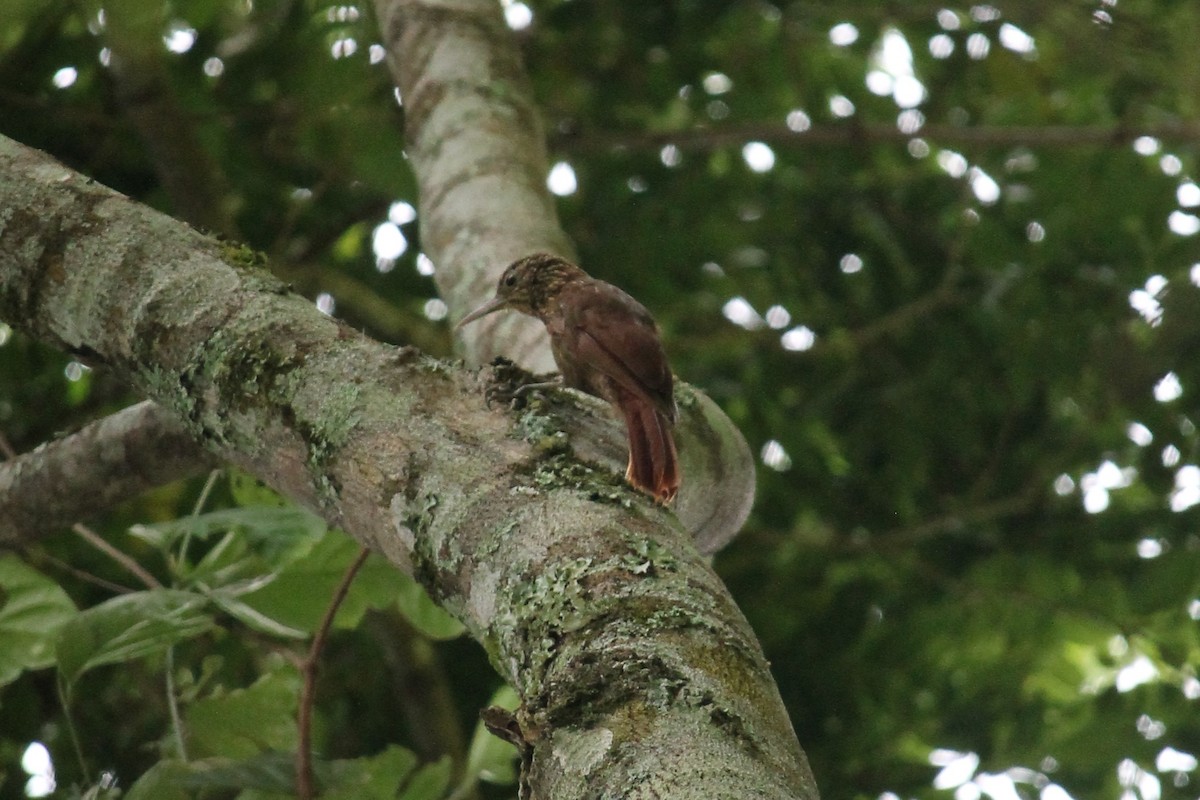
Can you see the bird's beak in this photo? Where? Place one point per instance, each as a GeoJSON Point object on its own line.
{"type": "Point", "coordinates": [495, 304]}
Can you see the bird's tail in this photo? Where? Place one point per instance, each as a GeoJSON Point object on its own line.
{"type": "Point", "coordinates": [653, 463]}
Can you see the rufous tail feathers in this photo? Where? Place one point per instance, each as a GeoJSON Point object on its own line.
{"type": "Point", "coordinates": [653, 463]}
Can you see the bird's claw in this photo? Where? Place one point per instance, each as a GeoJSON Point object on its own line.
{"type": "Point", "coordinates": [512, 385]}
{"type": "Point", "coordinates": [504, 395]}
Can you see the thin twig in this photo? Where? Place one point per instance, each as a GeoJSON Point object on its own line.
{"type": "Point", "coordinates": [196, 509]}
{"type": "Point", "coordinates": [304, 773]}
{"type": "Point", "coordinates": [64, 700]}
{"type": "Point", "coordinates": [92, 538]}
{"type": "Point", "coordinates": [169, 688]}
{"type": "Point", "coordinates": [84, 575]}
{"type": "Point", "coordinates": [6, 448]}
{"type": "Point", "coordinates": [95, 540]}
{"type": "Point", "coordinates": [964, 520]}
{"type": "Point", "coordinates": [208, 487]}
{"type": "Point", "coordinates": [173, 707]}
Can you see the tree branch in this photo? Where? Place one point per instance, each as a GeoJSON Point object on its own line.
{"type": "Point", "coordinates": [105, 463]}
{"type": "Point", "coordinates": [476, 145]}
{"type": "Point", "coordinates": [134, 568]}
{"type": "Point", "coordinates": [455, 191]}
{"type": "Point", "coordinates": [308, 670]}
{"type": "Point", "coordinates": [628, 652]}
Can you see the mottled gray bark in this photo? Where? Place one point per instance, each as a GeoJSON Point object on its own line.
{"type": "Point", "coordinates": [104, 463]}
{"type": "Point", "coordinates": [475, 140]}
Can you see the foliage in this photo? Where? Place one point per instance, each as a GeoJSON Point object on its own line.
{"type": "Point", "coordinates": [973, 558]}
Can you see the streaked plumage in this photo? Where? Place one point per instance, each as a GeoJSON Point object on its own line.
{"type": "Point", "coordinates": [605, 343]}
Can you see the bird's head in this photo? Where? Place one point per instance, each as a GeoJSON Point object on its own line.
{"type": "Point", "coordinates": [527, 285]}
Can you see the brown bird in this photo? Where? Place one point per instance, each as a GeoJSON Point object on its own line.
{"type": "Point", "coordinates": [605, 343]}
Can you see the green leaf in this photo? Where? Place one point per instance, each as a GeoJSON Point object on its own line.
{"type": "Point", "coordinates": [243, 723]}
{"type": "Point", "coordinates": [277, 534]}
{"type": "Point", "coordinates": [268, 772]}
{"type": "Point", "coordinates": [227, 561]}
{"type": "Point", "coordinates": [273, 773]}
{"type": "Point", "coordinates": [163, 781]}
{"type": "Point", "coordinates": [130, 627]}
{"type": "Point", "coordinates": [248, 491]}
{"type": "Point", "coordinates": [430, 782]}
{"type": "Point", "coordinates": [424, 614]}
{"type": "Point", "coordinates": [349, 245]}
{"type": "Point", "coordinates": [379, 776]}
{"type": "Point", "coordinates": [301, 592]}
{"type": "Point", "coordinates": [252, 618]}
{"type": "Point", "coordinates": [32, 610]}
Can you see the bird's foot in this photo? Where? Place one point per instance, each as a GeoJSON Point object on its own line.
{"type": "Point", "coordinates": [512, 385]}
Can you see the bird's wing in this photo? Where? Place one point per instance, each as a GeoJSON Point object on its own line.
{"type": "Point", "coordinates": [614, 333]}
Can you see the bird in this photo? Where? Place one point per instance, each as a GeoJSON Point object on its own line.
{"type": "Point", "coordinates": [605, 343]}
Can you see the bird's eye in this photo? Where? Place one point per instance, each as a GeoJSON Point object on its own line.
{"type": "Point", "coordinates": [510, 279]}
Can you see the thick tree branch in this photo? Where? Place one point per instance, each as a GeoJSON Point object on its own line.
{"type": "Point", "coordinates": [503, 133]}
{"type": "Point", "coordinates": [476, 144]}
{"type": "Point", "coordinates": [385, 318]}
{"type": "Point", "coordinates": [638, 674]}
{"type": "Point", "coordinates": [105, 463]}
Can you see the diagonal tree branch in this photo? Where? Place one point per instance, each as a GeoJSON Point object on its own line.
{"type": "Point", "coordinates": [637, 672]}
{"type": "Point", "coordinates": [638, 675]}
{"type": "Point", "coordinates": [478, 153]}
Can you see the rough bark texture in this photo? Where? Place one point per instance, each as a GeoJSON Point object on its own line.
{"type": "Point", "coordinates": [476, 144]}
{"type": "Point", "coordinates": [639, 676]}
{"type": "Point", "coordinates": [462, 61]}
{"type": "Point", "coordinates": [105, 463]}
